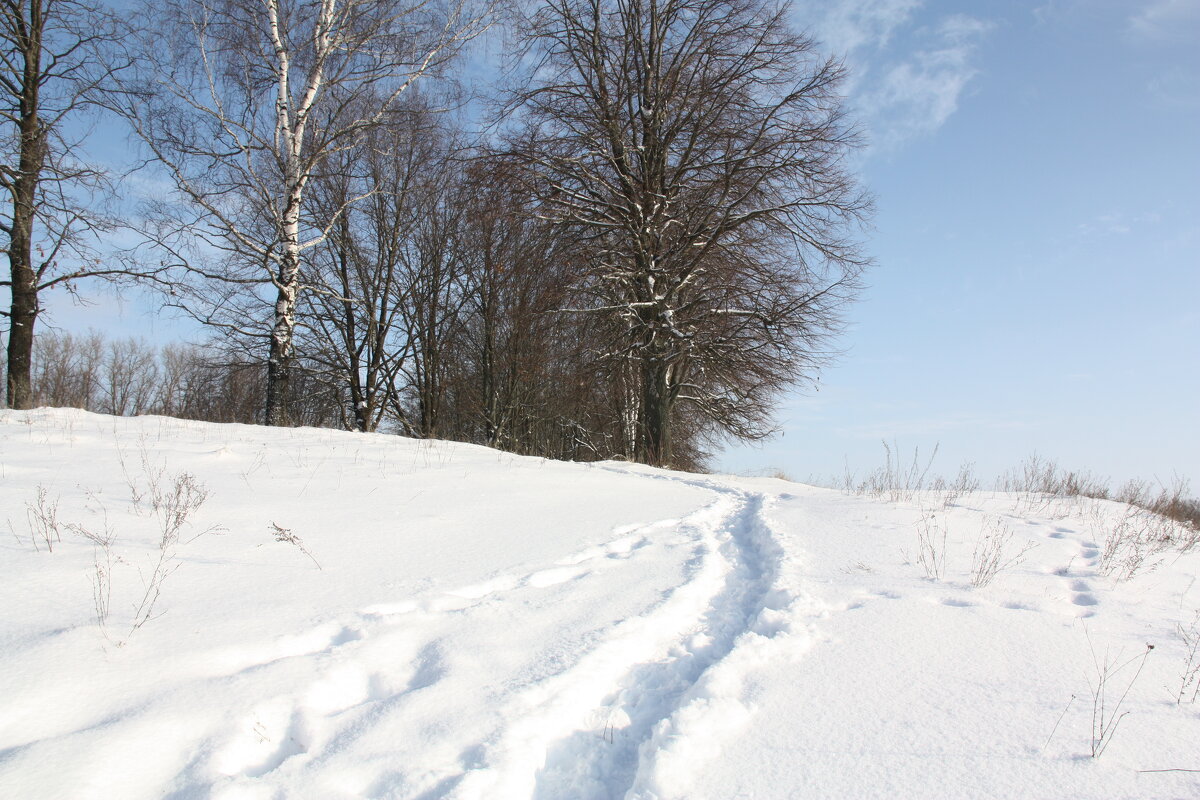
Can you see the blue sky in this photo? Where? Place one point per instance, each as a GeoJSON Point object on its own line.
{"type": "Point", "coordinates": [1037, 242]}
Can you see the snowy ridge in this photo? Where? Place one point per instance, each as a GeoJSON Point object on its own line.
{"type": "Point", "coordinates": [466, 624]}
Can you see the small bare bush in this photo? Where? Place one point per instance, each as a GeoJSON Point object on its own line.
{"type": "Point", "coordinates": [1034, 474]}
{"type": "Point", "coordinates": [1041, 483]}
{"type": "Point", "coordinates": [1170, 501]}
{"type": "Point", "coordinates": [1106, 706]}
{"type": "Point", "coordinates": [931, 545]}
{"type": "Point", "coordinates": [965, 483]}
{"type": "Point", "coordinates": [1189, 679]}
{"type": "Point", "coordinates": [42, 515]}
{"type": "Point", "coordinates": [102, 567]}
{"type": "Point", "coordinates": [101, 577]}
{"type": "Point", "coordinates": [895, 480]}
{"type": "Point", "coordinates": [1038, 475]}
{"type": "Point", "coordinates": [992, 552]}
{"type": "Point", "coordinates": [1128, 546]}
{"type": "Point", "coordinates": [173, 502]}
{"type": "Point", "coordinates": [1137, 538]}
{"type": "Point", "coordinates": [172, 499]}
{"type": "Point", "coordinates": [102, 540]}
{"type": "Point", "coordinates": [282, 534]}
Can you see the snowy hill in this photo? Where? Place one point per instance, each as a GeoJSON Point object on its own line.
{"type": "Point", "coordinates": [200, 611]}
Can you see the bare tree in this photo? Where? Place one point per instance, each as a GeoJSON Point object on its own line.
{"type": "Point", "coordinates": [357, 329]}
{"type": "Point", "coordinates": [66, 369]}
{"type": "Point", "coordinates": [433, 311]}
{"type": "Point", "coordinates": [698, 147]}
{"type": "Point", "coordinates": [55, 58]}
{"type": "Point", "coordinates": [129, 378]}
{"type": "Point", "coordinates": [510, 342]}
{"type": "Point", "coordinates": [243, 103]}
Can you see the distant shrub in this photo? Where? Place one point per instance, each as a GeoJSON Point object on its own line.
{"type": "Point", "coordinates": [1037, 475]}
{"type": "Point", "coordinates": [896, 480]}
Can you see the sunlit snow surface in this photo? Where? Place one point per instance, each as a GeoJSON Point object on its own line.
{"type": "Point", "coordinates": [464, 623]}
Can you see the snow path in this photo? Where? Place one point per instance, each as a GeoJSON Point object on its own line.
{"type": "Point", "coordinates": [596, 729]}
{"type": "Point", "coordinates": [576, 694]}
{"type": "Point", "coordinates": [398, 670]}
{"type": "Point", "coordinates": [611, 716]}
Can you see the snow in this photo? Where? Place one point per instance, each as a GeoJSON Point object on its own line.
{"type": "Point", "coordinates": [452, 621]}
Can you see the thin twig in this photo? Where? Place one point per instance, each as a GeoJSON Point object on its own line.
{"type": "Point", "coordinates": [1169, 770]}
{"type": "Point", "coordinates": [1056, 724]}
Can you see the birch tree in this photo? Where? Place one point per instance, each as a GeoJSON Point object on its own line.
{"type": "Point", "coordinates": [244, 102]}
{"type": "Point", "coordinates": [699, 147]}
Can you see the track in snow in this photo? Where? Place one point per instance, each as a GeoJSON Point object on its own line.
{"type": "Point", "coordinates": [593, 731]}
{"type": "Point", "coordinates": [589, 712]}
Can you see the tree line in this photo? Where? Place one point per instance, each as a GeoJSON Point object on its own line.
{"type": "Point", "coordinates": [629, 250]}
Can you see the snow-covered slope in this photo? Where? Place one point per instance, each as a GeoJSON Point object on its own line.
{"type": "Point", "coordinates": [370, 616]}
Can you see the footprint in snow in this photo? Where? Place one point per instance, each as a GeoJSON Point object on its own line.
{"type": "Point", "coordinates": [1016, 606]}
{"type": "Point", "coordinates": [389, 609]}
{"type": "Point", "coordinates": [430, 668]}
{"type": "Point", "coordinates": [343, 687]}
{"type": "Point", "coordinates": [322, 639]}
{"type": "Point", "coordinates": [479, 591]}
{"type": "Point", "coordinates": [623, 548]}
{"type": "Point", "coordinates": [345, 636]}
{"type": "Point", "coordinates": [450, 602]}
{"type": "Point", "coordinates": [553, 577]}
{"type": "Point", "coordinates": [271, 734]}
{"type": "Point", "coordinates": [1082, 597]}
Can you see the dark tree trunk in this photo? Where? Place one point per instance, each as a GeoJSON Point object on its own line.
{"type": "Point", "coordinates": [20, 336]}
{"type": "Point", "coordinates": [656, 410]}
{"type": "Point", "coordinates": [23, 189]}
{"type": "Point", "coordinates": [24, 310]}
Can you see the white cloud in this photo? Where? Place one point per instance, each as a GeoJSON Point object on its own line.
{"type": "Point", "coordinates": [1176, 88]}
{"type": "Point", "coordinates": [854, 25]}
{"type": "Point", "coordinates": [1118, 224]}
{"type": "Point", "coordinates": [1055, 10]}
{"type": "Point", "coordinates": [919, 93]}
{"type": "Point", "coordinates": [908, 69]}
{"type": "Point", "coordinates": [961, 29]}
{"type": "Point", "coordinates": [1167, 20]}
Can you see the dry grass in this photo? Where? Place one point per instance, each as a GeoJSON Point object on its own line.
{"type": "Point", "coordinates": [1152, 518]}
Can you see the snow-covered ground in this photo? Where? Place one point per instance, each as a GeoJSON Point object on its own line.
{"type": "Point", "coordinates": [354, 616]}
